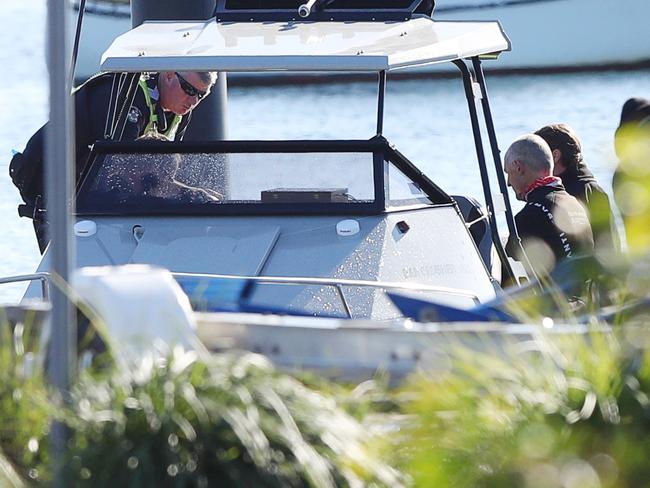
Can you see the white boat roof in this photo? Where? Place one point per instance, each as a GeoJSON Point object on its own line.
{"type": "Point", "coordinates": [300, 46]}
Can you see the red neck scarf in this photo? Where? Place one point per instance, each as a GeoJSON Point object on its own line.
{"type": "Point", "coordinates": [544, 181]}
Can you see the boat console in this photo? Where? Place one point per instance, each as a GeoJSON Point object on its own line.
{"type": "Point", "coordinates": [347, 214]}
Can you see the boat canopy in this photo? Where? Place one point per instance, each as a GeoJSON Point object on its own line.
{"type": "Point", "coordinates": [300, 46]}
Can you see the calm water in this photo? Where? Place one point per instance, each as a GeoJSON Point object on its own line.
{"type": "Point", "coordinates": [426, 120]}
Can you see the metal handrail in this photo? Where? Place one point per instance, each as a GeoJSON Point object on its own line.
{"type": "Point", "coordinates": [335, 283]}
{"type": "Point", "coordinates": [302, 280]}
{"type": "Point", "coordinates": [338, 284]}
{"type": "Point", "coordinates": [43, 277]}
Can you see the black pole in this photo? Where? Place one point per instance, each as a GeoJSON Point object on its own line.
{"type": "Point", "coordinates": [209, 119]}
{"type": "Point", "coordinates": [496, 153]}
{"type": "Point", "coordinates": [77, 36]}
{"type": "Point", "coordinates": [496, 156]}
{"type": "Point", "coordinates": [485, 179]}
{"type": "Point", "coordinates": [380, 102]}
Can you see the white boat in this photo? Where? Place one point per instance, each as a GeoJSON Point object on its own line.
{"type": "Point", "coordinates": [347, 213]}
{"type": "Point", "coordinates": [562, 35]}
{"type": "Point", "coordinates": [315, 229]}
{"type": "Point", "coordinates": [546, 35]}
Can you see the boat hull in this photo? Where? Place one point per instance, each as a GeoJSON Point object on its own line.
{"type": "Point", "coordinates": [354, 351]}
{"type": "Point", "coordinates": [562, 34]}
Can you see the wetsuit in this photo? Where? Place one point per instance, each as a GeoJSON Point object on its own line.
{"type": "Point", "coordinates": [553, 226]}
{"type": "Point", "coordinates": [581, 183]}
{"type": "Point", "coordinates": [92, 101]}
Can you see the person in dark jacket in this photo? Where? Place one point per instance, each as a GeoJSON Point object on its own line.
{"type": "Point", "coordinates": [579, 181]}
{"type": "Point", "coordinates": [553, 225]}
{"type": "Point", "coordinates": [631, 179]}
{"type": "Point", "coordinates": [162, 105]}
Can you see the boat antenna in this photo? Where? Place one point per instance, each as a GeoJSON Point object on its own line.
{"type": "Point", "coordinates": [306, 9]}
{"type": "Point", "coordinates": [77, 36]}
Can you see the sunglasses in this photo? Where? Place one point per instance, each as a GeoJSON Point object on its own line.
{"type": "Point", "coordinates": [190, 89]}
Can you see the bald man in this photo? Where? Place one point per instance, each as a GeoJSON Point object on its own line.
{"type": "Point", "coordinates": [553, 225]}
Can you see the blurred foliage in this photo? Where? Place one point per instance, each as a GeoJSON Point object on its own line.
{"type": "Point", "coordinates": [9, 478]}
{"type": "Point", "coordinates": [632, 184]}
{"type": "Point", "coordinates": [174, 419]}
{"type": "Point", "coordinates": [561, 410]}
{"type": "Point", "coordinates": [25, 410]}
{"type": "Point", "coordinates": [232, 418]}
{"type": "Point", "coordinates": [557, 409]}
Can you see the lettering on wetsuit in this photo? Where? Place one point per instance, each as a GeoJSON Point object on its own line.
{"type": "Point", "coordinates": [566, 246]}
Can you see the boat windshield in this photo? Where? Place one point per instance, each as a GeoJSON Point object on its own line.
{"type": "Point", "coordinates": [152, 182]}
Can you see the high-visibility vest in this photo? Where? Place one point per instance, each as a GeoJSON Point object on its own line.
{"type": "Point", "coordinates": [170, 133]}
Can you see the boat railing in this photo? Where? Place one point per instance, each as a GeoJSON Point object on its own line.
{"type": "Point", "coordinates": [337, 284]}
{"type": "Point", "coordinates": [43, 277]}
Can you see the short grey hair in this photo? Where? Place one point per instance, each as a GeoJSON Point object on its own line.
{"type": "Point", "coordinates": [533, 152]}
{"type": "Point", "coordinates": [207, 77]}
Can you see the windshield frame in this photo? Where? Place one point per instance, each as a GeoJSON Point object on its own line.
{"type": "Point", "coordinates": [381, 150]}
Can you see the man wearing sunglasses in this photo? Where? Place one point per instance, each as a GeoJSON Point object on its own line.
{"type": "Point", "coordinates": [162, 105]}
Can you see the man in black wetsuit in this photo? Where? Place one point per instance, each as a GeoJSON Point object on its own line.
{"type": "Point", "coordinates": [162, 105]}
{"type": "Point", "coordinates": [553, 225]}
{"type": "Point", "coordinates": [579, 181]}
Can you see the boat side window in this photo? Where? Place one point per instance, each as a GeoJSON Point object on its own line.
{"type": "Point", "coordinates": [401, 190]}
